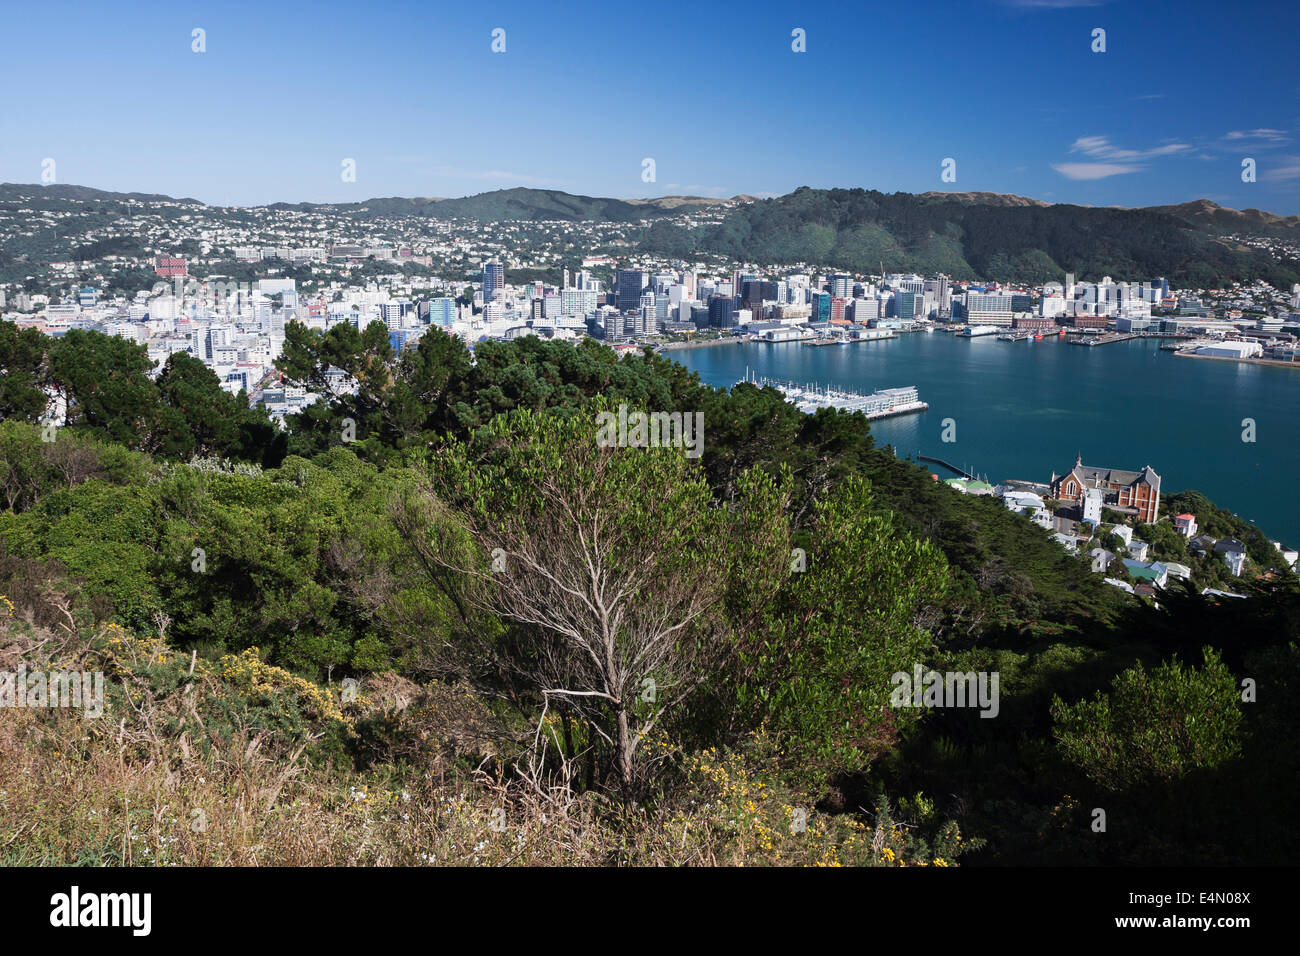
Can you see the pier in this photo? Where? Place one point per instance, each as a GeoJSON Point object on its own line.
{"type": "Point", "coordinates": [1105, 338]}
{"type": "Point", "coordinates": [881, 403]}
{"type": "Point", "coordinates": [951, 467]}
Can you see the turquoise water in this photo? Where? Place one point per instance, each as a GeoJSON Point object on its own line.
{"type": "Point", "coordinates": [1024, 409]}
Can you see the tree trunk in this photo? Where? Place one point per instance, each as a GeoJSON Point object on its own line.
{"type": "Point", "coordinates": [625, 747]}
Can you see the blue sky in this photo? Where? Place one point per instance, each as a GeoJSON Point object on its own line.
{"type": "Point", "coordinates": [413, 92]}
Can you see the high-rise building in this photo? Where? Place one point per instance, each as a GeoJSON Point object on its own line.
{"type": "Point", "coordinates": [821, 307]}
{"type": "Point", "coordinates": [987, 308]}
{"type": "Point", "coordinates": [841, 286]}
{"type": "Point", "coordinates": [442, 311]}
{"type": "Point", "coordinates": [942, 294]}
{"type": "Point", "coordinates": [494, 282]}
{"type": "Point", "coordinates": [577, 301]}
{"type": "Point", "coordinates": [722, 311]}
{"type": "Point", "coordinates": [648, 318]}
{"type": "Point", "coordinates": [630, 284]}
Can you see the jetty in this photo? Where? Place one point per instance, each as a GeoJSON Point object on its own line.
{"type": "Point", "coordinates": [948, 465]}
{"type": "Point", "coordinates": [1104, 339]}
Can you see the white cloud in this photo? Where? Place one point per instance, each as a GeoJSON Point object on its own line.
{"type": "Point", "coordinates": [1095, 170]}
{"type": "Point", "coordinates": [1111, 160]}
{"type": "Point", "coordinates": [1100, 147]}
{"type": "Point", "coordinates": [1258, 137]}
{"type": "Point", "coordinates": [1287, 169]}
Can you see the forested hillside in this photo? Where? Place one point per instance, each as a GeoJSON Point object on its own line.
{"type": "Point", "coordinates": [858, 229]}
{"type": "Point", "coordinates": [440, 597]}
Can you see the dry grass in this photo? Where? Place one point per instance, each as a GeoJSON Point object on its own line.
{"type": "Point", "coordinates": [234, 763]}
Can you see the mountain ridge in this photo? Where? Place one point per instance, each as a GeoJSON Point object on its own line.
{"type": "Point", "coordinates": [525, 199]}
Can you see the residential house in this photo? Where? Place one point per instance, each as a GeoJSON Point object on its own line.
{"type": "Point", "coordinates": [1201, 545]}
{"type": "Point", "coordinates": [1154, 573]}
{"type": "Point", "coordinates": [1234, 555]}
{"type": "Point", "coordinates": [1121, 531]}
{"type": "Point", "coordinates": [1101, 559]}
{"type": "Point", "coordinates": [1068, 541]}
{"type": "Point", "coordinates": [1185, 524]}
{"type": "Point", "coordinates": [1022, 501]}
{"type": "Point", "coordinates": [1137, 550]}
{"type": "Point", "coordinates": [1289, 555]}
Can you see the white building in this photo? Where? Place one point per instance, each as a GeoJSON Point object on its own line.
{"type": "Point", "coordinates": [1236, 350]}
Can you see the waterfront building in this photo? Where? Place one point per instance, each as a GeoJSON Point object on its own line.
{"type": "Point", "coordinates": [821, 307]}
{"type": "Point", "coordinates": [979, 308]}
{"type": "Point", "coordinates": [1235, 350]}
{"type": "Point", "coordinates": [1136, 493]}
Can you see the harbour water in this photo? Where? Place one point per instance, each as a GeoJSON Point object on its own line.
{"type": "Point", "coordinates": [1024, 409]}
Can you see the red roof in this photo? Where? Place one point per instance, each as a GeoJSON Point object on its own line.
{"type": "Point", "coordinates": [1186, 517]}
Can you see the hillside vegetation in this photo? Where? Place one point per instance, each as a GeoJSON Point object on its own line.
{"type": "Point", "coordinates": [858, 230]}
{"type": "Point", "coordinates": [435, 621]}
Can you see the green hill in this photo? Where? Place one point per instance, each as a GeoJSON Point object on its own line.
{"type": "Point", "coordinates": [968, 236]}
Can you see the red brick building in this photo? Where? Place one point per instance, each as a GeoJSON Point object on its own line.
{"type": "Point", "coordinates": [1135, 493]}
{"type": "Point", "coordinates": [168, 266]}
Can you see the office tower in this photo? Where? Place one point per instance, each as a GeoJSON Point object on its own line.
{"type": "Point", "coordinates": [722, 311]}
{"type": "Point", "coordinates": [494, 282]}
{"type": "Point", "coordinates": [821, 307]}
{"type": "Point", "coordinates": [630, 283]}
{"type": "Point", "coordinates": [442, 311]}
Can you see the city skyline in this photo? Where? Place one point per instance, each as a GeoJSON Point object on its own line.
{"type": "Point", "coordinates": [277, 102]}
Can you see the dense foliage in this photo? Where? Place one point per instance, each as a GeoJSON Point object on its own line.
{"type": "Point", "coordinates": [658, 625]}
